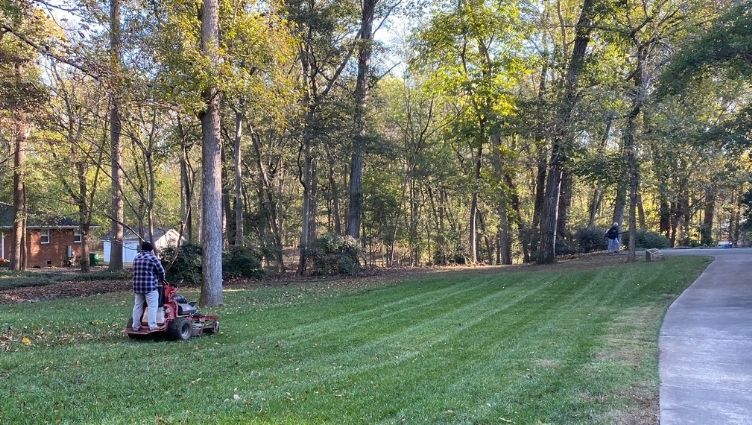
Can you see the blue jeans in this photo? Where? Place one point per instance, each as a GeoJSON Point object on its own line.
{"type": "Point", "coordinates": [152, 300]}
{"type": "Point", "coordinates": [614, 245]}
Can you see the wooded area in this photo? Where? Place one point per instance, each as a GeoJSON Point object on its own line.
{"type": "Point", "coordinates": [430, 132]}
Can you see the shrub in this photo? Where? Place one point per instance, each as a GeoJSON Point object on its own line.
{"type": "Point", "coordinates": [8, 281]}
{"type": "Point", "coordinates": [333, 254]}
{"type": "Point", "coordinates": [241, 262]}
{"type": "Point", "coordinates": [182, 264]}
{"type": "Point", "coordinates": [567, 247]}
{"type": "Point", "coordinates": [647, 239]}
{"type": "Point", "coordinates": [15, 279]}
{"type": "Point", "coordinates": [591, 239]}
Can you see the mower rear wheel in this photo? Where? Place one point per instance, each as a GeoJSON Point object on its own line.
{"type": "Point", "coordinates": [181, 328]}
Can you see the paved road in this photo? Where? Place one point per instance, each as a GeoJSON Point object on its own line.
{"type": "Point", "coordinates": [706, 344]}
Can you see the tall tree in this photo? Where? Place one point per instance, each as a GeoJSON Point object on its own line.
{"type": "Point", "coordinates": [326, 46]}
{"type": "Point", "coordinates": [365, 39]}
{"type": "Point", "coordinates": [211, 154]}
{"type": "Point", "coordinates": [116, 173]}
{"type": "Point", "coordinates": [23, 28]}
{"type": "Point", "coordinates": [561, 137]}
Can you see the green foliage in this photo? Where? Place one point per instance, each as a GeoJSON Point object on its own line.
{"type": "Point", "coordinates": [599, 168]}
{"type": "Point", "coordinates": [242, 262]}
{"type": "Point", "coordinates": [647, 239]}
{"type": "Point", "coordinates": [566, 246]}
{"type": "Point", "coordinates": [334, 254]}
{"type": "Point", "coordinates": [591, 239]}
{"type": "Point", "coordinates": [726, 45]}
{"type": "Point", "coordinates": [182, 264]}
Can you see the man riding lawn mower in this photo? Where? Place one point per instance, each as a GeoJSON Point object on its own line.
{"type": "Point", "coordinates": [166, 312]}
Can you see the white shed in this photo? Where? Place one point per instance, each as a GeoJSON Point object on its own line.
{"type": "Point", "coordinates": [162, 239]}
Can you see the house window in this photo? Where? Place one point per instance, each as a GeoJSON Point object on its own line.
{"type": "Point", "coordinates": [77, 236]}
{"type": "Point", "coordinates": [44, 236]}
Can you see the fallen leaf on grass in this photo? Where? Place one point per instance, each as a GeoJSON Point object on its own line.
{"type": "Point", "coordinates": [26, 341]}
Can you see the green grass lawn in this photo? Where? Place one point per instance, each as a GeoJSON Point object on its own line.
{"type": "Point", "coordinates": [557, 346]}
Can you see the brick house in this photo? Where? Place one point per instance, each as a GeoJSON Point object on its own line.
{"type": "Point", "coordinates": [49, 243]}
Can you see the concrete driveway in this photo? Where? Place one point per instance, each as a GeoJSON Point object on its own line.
{"type": "Point", "coordinates": [706, 344]}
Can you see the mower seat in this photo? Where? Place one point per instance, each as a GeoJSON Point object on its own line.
{"type": "Point", "coordinates": [185, 309]}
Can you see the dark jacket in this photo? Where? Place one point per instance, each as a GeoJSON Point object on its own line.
{"type": "Point", "coordinates": [613, 232]}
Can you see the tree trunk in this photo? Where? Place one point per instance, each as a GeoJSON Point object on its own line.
{"type": "Point", "coordinates": [414, 254]}
{"type": "Point", "coordinates": [211, 154]}
{"type": "Point", "coordinates": [83, 215]}
{"type": "Point", "coordinates": [620, 202]}
{"type": "Point", "coordinates": [21, 129]}
{"type": "Point", "coordinates": [504, 234]}
{"type": "Point", "coordinates": [473, 228]}
{"type": "Point", "coordinates": [239, 232]}
{"type": "Point", "coordinates": [641, 221]}
{"type": "Point", "coordinates": [306, 182]}
{"type": "Point", "coordinates": [355, 212]}
{"type": "Point", "coordinates": [486, 241]}
{"type": "Point", "coordinates": [228, 213]}
{"type": "Point", "coordinates": [309, 183]}
{"type": "Point", "coordinates": [664, 212]}
{"type": "Point", "coordinates": [186, 194]}
{"type": "Point", "coordinates": [334, 195]}
{"type": "Point", "coordinates": [116, 150]}
{"type": "Point", "coordinates": [706, 234]}
{"type": "Point", "coordinates": [560, 143]}
{"type": "Point", "coordinates": [541, 153]}
{"type": "Point", "coordinates": [565, 202]}
{"type": "Point", "coordinates": [522, 230]}
{"type": "Point", "coordinates": [736, 213]}
{"type": "Point", "coordinates": [595, 202]}
{"type": "Point", "coordinates": [631, 153]}
{"type": "Point", "coordinates": [268, 204]}
{"type": "Point", "coordinates": [641, 83]}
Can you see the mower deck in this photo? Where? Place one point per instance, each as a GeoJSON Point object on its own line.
{"type": "Point", "coordinates": [144, 330]}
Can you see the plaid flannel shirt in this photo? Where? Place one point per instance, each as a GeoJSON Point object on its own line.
{"type": "Point", "coordinates": [147, 272]}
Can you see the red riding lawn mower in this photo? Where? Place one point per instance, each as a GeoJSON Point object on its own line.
{"type": "Point", "coordinates": [177, 318]}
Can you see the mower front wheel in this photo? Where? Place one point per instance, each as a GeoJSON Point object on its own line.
{"type": "Point", "coordinates": [181, 328]}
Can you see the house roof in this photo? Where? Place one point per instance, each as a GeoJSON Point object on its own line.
{"type": "Point", "coordinates": [35, 221]}
{"type": "Point", "coordinates": [129, 235]}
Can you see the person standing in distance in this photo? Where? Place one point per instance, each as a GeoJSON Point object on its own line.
{"type": "Point", "coordinates": [614, 244]}
{"type": "Point", "coordinates": [147, 273]}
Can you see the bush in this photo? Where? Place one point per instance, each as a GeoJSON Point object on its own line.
{"type": "Point", "coordinates": [647, 239]}
{"type": "Point", "coordinates": [333, 254]}
{"type": "Point", "coordinates": [591, 239]}
{"type": "Point", "coordinates": [567, 247]}
{"type": "Point", "coordinates": [182, 264]}
{"type": "Point", "coordinates": [241, 262]}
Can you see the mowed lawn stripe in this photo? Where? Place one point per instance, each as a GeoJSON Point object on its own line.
{"type": "Point", "coordinates": [463, 316]}
{"type": "Point", "coordinates": [337, 321]}
{"type": "Point", "coordinates": [389, 351]}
